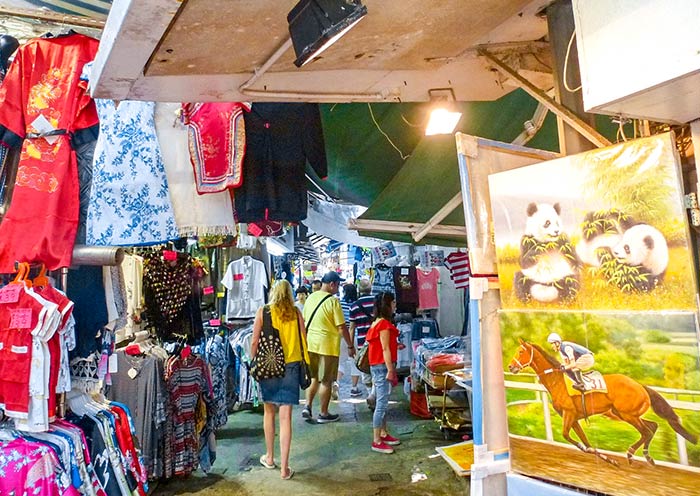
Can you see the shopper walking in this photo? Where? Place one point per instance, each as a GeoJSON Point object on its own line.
{"type": "Point", "coordinates": [361, 319]}
{"type": "Point", "coordinates": [281, 393]}
{"type": "Point", "coordinates": [383, 350]}
{"type": "Point", "coordinates": [326, 327]}
{"type": "Point", "coordinates": [302, 294]}
{"type": "Point", "coordinates": [345, 363]}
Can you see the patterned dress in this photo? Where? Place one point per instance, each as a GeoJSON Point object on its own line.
{"type": "Point", "coordinates": [129, 202]}
{"type": "Point", "coordinates": [28, 468]}
{"type": "Point", "coordinates": [44, 104]}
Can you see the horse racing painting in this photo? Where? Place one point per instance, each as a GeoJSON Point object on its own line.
{"type": "Point", "coordinates": [609, 402]}
{"type": "Point", "coordinates": [601, 230]}
{"type": "Point", "coordinates": [599, 324]}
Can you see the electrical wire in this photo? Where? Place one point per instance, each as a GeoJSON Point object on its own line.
{"type": "Point", "coordinates": [566, 64]}
{"type": "Point", "coordinates": [541, 61]}
{"type": "Point", "coordinates": [408, 122]}
{"type": "Point", "coordinates": [371, 113]}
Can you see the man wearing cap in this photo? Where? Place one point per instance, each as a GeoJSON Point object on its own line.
{"type": "Point", "coordinates": [325, 326]}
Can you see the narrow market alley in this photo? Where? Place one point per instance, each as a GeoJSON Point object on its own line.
{"type": "Point", "coordinates": [329, 458]}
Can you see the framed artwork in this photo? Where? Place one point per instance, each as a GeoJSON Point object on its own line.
{"type": "Point", "coordinates": [603, 230]}
{"type": "Point", "coordinates": [479, 157]}
{"type": "Point", "coordinates": [635, 428]}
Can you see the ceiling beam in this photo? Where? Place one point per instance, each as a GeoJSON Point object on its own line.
{"type": "Point", "coordinates": [404, 227]}
{"type": "Point", "coordinates": [566, 115]}
{"type": "Point", "coordinates": [449, 207]}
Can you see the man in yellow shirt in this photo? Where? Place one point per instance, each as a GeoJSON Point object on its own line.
{"type": "Point", "coordinates": [325, 326]}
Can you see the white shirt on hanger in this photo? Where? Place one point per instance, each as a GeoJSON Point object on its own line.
{"type": "Point", "coordinates": [246, 281]}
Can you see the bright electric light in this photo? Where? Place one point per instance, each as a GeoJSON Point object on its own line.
{"type": "Point", "coordinates": [442, 121]}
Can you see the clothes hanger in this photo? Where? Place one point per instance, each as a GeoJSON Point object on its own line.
{"type": "Point", "coordinates": [22, 273]}
{"type": "Point", "coordinates": [41, 281]}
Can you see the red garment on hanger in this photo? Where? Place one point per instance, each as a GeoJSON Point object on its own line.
{"type": "Point", "coordinates": [43, 90]}
{"type": "Point", "coordinates": [217, 144]}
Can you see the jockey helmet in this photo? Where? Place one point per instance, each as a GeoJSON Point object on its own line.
{"type": "Point", "coordinates": [554, 338]}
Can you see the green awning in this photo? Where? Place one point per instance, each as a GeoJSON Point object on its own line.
{"type": "Point", "coordinates": [427, 181]}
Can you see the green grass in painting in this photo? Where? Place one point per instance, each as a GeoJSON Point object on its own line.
{"type": "Point", "coordinates": [677, 290]}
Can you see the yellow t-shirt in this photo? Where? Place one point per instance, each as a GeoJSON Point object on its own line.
{"type": "Point", "coordinates": [323, 335]}
{"type": "Point", "coordinates": [289, 335]}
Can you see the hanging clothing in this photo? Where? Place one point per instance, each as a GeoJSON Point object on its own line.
{"type": "Point", "coordinates": [189, 387]}
{"type": "Point", "coordinates": [129, 201]}
{"type": "Point", "coordinates": [217, 357]}
{"type": "Point", "coordinates": [216, 144]}
{"type": "Point", "coordinates": [428, 288]}
{"type": "Point", "coordinates": [195, 214]}
{"type": "Point", "coordinates": [172, 295]}
{"type": "Point", "coordinates": [406, 284]}
{"type": "Point", "coordinates": [85, 288]}
{"type": "Point", "coordinates": [460, 270]}
{"type": "Point", "coordinates": [132, 272]}
{"type": "Point", "coordinates": [246, 281]}
{"type": "Point", "coordinates": [44, 101]}
{"type": "Point", "coordinates": [139, 385]}
{"type": "Point", "coordinates": [383, 280]}
{"type": "Point", "coordinates": [280, 139]}
{"type": "Point", "coordinates": [28, 468]}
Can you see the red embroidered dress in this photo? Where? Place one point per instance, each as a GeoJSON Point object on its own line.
{"type": "Point", "coordinates": [43, 93]}
{"type": "Point", "coordinates": [217, 144]}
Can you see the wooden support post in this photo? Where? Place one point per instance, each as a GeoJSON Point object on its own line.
{"type": "Point", "coordinates": [567, 115]}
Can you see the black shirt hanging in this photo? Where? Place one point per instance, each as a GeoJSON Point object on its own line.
{"type": "Point", "coordinates": [280, 139]}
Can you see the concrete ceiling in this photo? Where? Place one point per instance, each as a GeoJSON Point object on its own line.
{"type": "Point", "coordinates": [205, 50]}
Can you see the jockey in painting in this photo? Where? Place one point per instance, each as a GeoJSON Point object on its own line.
{"type": "Point", "coordinates": [577, 359]}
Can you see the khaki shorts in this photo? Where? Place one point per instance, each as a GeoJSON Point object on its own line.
{"type": "Point", "coordinates": [323, 367]}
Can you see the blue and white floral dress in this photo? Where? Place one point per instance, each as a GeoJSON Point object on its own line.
{"type": "Point", "coordinates": [129, 201]}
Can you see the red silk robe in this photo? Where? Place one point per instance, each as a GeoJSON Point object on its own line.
{"type": "Point", "coordinates": [44, 82]}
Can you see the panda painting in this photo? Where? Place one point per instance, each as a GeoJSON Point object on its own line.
{"type": "Point", "coordinates": [644, 247]}
{"type": "Point", "coordinates": [600, 232]}
{"type": "Point", "coordinates": [548, 262]}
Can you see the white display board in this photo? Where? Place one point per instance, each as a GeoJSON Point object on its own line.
{"type": "Point", "coordinates": [639, 58]}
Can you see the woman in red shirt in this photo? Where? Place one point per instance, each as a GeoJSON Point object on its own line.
{"type": "Point", "coordinates": [383, 345]}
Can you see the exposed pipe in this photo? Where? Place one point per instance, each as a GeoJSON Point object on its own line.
{"type": "Point", "coordinates": [97, 255]}
{"type": "Point", "coordinates": [532, 126]}
{"type": "Point", "coordinates": [330, 97]}
{"type": "Point", "coordinates": [302, 95]}
{"type": "Point", "coordinates": [268, 63]}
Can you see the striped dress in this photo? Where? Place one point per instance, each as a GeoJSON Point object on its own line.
{"type": "Point", "coordinates": [187, 381]}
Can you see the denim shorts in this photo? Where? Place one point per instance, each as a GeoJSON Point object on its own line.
{"type": "Point", "coordinates": [283, 390]}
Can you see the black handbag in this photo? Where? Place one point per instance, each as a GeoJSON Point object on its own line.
{"type": "Point", "coordinates": [268, 362]}
{"type": "Point", "coordinates": [304, 374]}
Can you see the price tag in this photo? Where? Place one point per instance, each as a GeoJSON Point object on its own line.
{"type": "Point", "coordinates": [10, 293]}
{"type": "Point", "coordinates": [132, 373]}
{"type": "Point", "coordinates": [404, 271]}
{"type": "Point", "coordinates": [113, 364]}
{"type": "Point", "coordinates": [215, 322]}
{"type": "Point", "coordinates": [254, 229]}
{"type": "Point", "coordinates": [220, 294]}
{"type": "Point", "coordinates": [21, 318]}
{"type": "Point", "coordinates": [208, 290]}
{"type": "Point", "coordinates": [169, 255]}
{"type": "Point", "coordinates": [238, 277]}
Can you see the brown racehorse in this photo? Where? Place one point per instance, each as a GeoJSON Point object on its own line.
{"type": "Point", "coordinates": [625, 400]}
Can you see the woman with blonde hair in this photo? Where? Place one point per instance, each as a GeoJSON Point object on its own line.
{"type": "Point", "coordinates": [281, 393]}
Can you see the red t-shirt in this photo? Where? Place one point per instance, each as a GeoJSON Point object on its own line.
{"type": "Point", "coordinates": [376, 356]}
